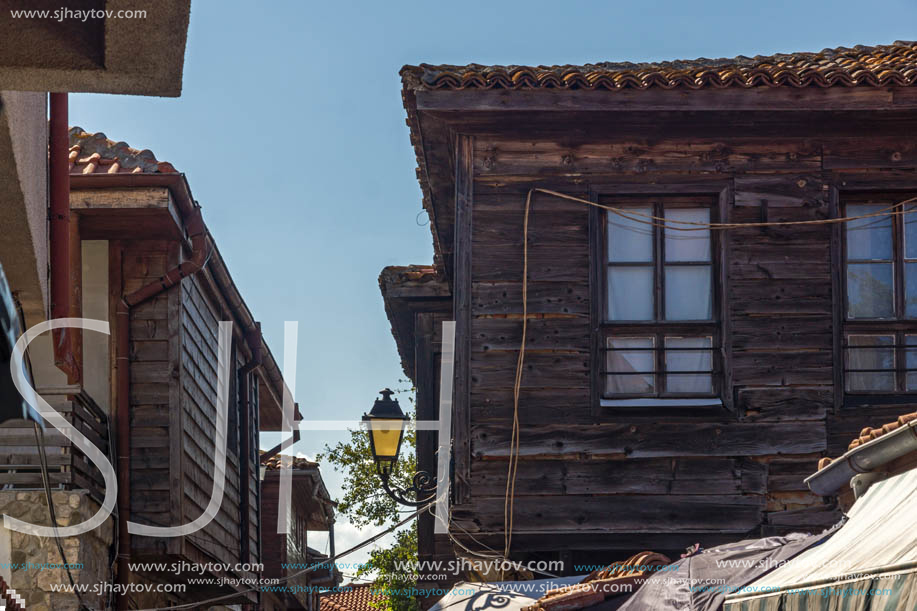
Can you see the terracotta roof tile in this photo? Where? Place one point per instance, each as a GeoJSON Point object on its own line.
{"type": "Point", "coordinates": [599, 585]}
{"type": "Point", "coordinates": [868, 434]}
{"type": "Point", "coordinates": [273, 463]}
{"type": "Point", "coordinates": [96, 154]}
{"type": "Point", "coordinates": [398, 274]}
{"type": "Point", "coordinates": [871, 433]}
{"type": "Point", "coordinates": [354, 597]}
{"type": "Point", "coordinates": [877, 66]}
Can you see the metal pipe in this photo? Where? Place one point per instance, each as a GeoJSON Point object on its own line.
{"type": "Point", "coordinates": [194, 225]}
{"type": "Point", "coordinates": [863, 459]}
{"type": "Point", "coordinates": [59, 234]}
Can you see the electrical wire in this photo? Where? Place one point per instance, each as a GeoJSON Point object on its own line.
{"type": "Point", "coordinates": [323, 562]}
{"type": "Point", "coordinates": [495, 555]}
{"type": "Point", "coordinates": [46, 480]}
{"type": "Point", "coordinates": [113, 549]}
{"type": "Point", "coordinates": [659, 221]}
{"type": "Point", "coordinates": [509, 499]}
{"type": "Point", "coordinates": [646, 219]}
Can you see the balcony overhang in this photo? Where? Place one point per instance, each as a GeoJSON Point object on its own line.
{"type": "Point", "coordinates": [100, 46]}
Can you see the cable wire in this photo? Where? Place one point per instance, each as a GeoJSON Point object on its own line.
{"type": "Point", "coordinates": [46, 480]}
{"type": "Point", "coordinates": [646, 219]}
{"type": "Point", "coordinates": [323, 562]}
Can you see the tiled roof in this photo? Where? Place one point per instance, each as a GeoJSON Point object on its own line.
{"type": "Point", "coordinates": [866, 66]}
{"type": "Point", "coordinates": [354, 597]}
{"type": "Point", "coordinates": [868, 434]}
{"type": "Point", "coordinates": [399, 274]}
{"type": "Point", "coordinates": [273, 463]}
{"type": "Point", "coordinates": [878, 66]}
{"type": "Point", "coordinates": [96, 154]}
{"type": "Point", "coordinates": [601, 584]}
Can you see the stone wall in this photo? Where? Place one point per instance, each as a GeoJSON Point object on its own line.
{"type": "Point", "coordinates": [92, 551]}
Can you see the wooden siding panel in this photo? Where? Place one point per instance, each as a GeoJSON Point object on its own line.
{"type": "Point", "coordinates": [143, 262]}
{"type": "Point", "coordinates": [616, 514]}
{"type": "Point", "coordinates": [200, 319]}
{"type": "Point", "coordinates": [649, 439]}
{"type": "Point", "coordinates": [514, 159]}
{"type": "Point", "coordinates": [675, 476]}
{"type": "Point", "coordinates": [594, 464]}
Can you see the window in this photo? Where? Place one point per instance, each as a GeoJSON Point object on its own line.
{"type": "Point", "coordinates": [660, 334]}
{"type": "Point", "coordinates": [880, 308]}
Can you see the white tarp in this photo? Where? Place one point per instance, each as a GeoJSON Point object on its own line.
{"type": "Point", "coordinates": [504, 595]}
{"type": "Point", "coordinates": [869, 564]}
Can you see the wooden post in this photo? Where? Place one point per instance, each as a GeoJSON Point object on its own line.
{"type": "Point", "coordinates": [464, 187]}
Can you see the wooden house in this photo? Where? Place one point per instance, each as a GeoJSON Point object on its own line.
{"type": "Point", "coordinates": [286, 554]}
{"type": "Point", "coordinates": [677, 386]}
{"type": "Point", "coordinates": [150, 267]}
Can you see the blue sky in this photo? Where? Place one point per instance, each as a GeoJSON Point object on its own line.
{"type": "Point", "coordinates": [291, 131]}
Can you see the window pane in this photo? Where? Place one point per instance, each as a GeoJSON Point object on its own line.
{"type": "Point", "coordinates": [870, 290]}
{"type": "Point", "coordinates": [630, 241]}
{"type": "Point", "coordinates": [630, 293]}
{"type": "Point", "coordinates": [871, 238]}
{"type": "Point", "coordinates": [870, 352]}
{"type": "Point", "coordinates": [630, 355]}
{"type": "Point", "coordinates": [910, 361]}
{"type": "Point", "coordinates": [910, 290]}
{"type": "Point", "coordinates": [683, 245]}
{"type": "Point", "coordinates": [686, 354]}
{"type": "Point", "coordinates": [910, 232]}
{"type": "Point", "coordinates": [688, 292]}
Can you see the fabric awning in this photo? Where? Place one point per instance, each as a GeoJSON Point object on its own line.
{"type": "Point", "coordinates": [505, 595]}
{"type": "Point", "coordinates": [870, 564]}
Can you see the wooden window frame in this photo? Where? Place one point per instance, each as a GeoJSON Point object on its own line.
{"type": "Point", "coordinates": [659, 328]}
{"type": "Point", "coordinates": [898, 327]}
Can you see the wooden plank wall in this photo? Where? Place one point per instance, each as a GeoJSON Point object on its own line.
{"type": "Point", "coordinates": [428, 338]}
{"type": "Point", "coordinates": [255, 527]}
{"type": "Point", "coordinates": [198, 341]}
{"type": "Point", "coordinates": [735, 474]}
{"type": "Point", "coordinates": [274, 544]}
{"type": "Point", "coordinates": [173, 417]}
{"type": "Point", "coordinates": [152, 373]}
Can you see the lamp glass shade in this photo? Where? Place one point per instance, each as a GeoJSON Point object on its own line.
{"type": "Point", "coordinates": [385, 436]}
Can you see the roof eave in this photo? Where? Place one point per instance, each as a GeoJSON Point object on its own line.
{"type": "Point", "coordinates": [864, 458]}
{"type": "Point", "coordinates": [403, 297]}
{"type": "Point", "coordinates": [179, 187]}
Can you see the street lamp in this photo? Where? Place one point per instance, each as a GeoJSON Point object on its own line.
{"type": "Point", "coordinates": [385, 424]}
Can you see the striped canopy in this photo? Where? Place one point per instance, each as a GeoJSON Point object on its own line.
{"type": "Point", "coordinates": [870, 564]}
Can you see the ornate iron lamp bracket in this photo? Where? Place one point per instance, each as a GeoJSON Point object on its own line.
{"type": "Point", "coordinates": [422, 489]}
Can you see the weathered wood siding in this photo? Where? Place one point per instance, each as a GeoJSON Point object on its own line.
{"type": "Point", "coordinates": [173, 413]}
{"type": "Point", "coordinates": [200, 319]}
{"type": "Point", "coordinates": [273, 544]}
{"type": "Point", "coordinates": [282, 548]}
{"type": "Point", "coordinates": [153, 376]}
{"type": "Point", "coordinates": [625, 473]}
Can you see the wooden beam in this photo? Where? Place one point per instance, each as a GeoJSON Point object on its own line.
{"type": "Point", "coordinates": [461, 423]}
{"type": "Point", "coordinates": [755, 98]}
